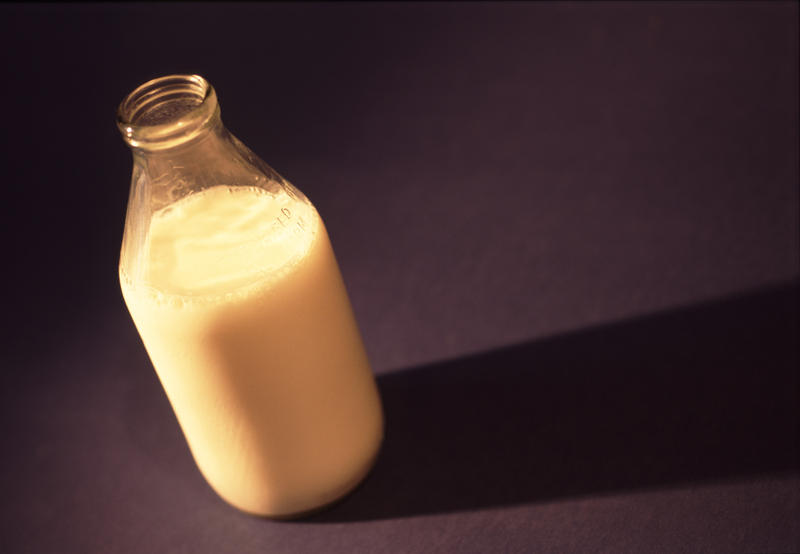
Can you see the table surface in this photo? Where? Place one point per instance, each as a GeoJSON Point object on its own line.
{"type": "Point", "coordinates": [570, 236]}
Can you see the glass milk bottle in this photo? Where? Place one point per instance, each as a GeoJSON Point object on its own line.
{"type": "Point", "coordinates": [229, 275]}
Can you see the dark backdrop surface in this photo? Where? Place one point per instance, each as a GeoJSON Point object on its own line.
{"type": "Point", "coordinates": [570, 236]}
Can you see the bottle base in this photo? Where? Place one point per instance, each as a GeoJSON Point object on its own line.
{"type": "Point", "coordinates": [341, 493]}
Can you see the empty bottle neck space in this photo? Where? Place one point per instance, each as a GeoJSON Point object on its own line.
{"type": "Point", "coordinates": [168, 112]}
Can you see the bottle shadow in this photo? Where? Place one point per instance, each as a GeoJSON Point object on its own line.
{"type": "Point", "coordinates": [702, 393]}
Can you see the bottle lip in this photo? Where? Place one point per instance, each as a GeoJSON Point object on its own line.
{"type": "Point", "coordinates": [166, 111]}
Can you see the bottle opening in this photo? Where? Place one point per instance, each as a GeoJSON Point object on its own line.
{"type": "Point", "coordinates": [167, 111]}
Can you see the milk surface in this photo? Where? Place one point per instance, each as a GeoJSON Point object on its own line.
{"type": "Point", "coordinates": [244, 314]}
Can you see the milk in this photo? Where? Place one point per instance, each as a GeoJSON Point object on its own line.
{"type": "Point", "coordinates": [243, 312]}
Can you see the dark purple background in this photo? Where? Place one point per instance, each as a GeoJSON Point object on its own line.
{"type": "Point", "coordinates": [569, 232]}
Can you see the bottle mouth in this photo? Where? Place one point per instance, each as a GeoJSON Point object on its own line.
{"type": "Point", "coordinates": [166, 111]}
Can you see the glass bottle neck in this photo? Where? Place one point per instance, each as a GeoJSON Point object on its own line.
{"type": "Point", "coordinates": [168, 112]}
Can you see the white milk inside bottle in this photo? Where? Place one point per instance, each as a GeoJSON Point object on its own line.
{"type": "Point", "coordinates": [241, 306]}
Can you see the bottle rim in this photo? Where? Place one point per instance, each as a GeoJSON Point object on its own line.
{"type": "Point", "coordinates": [166, 111]}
